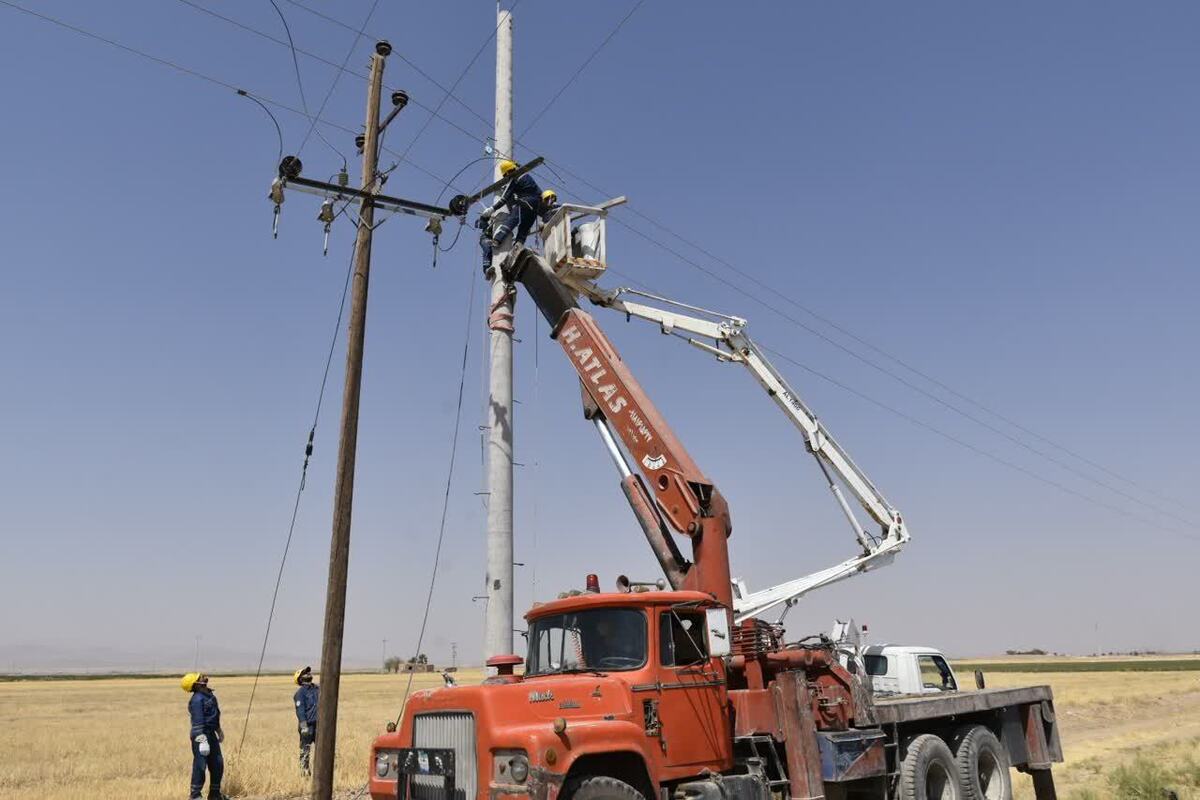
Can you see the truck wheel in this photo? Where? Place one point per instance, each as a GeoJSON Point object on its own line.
{"type": "Point", "coordinates": [600, 787]}
{"type": "Point", "coordinates": [928, 771]}
{"type": "Point", "coordinates": [983, 766]}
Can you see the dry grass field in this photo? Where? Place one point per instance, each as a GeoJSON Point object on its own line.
{"type": "Point", "coordinates": [127, 738]}
{"type": "Point", "coordinates": [1118, 728]}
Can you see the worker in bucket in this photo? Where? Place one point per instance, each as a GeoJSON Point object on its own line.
{"type": "Point", "coordinates": [305, 699]}
{"type": "Point", "coordinates": [523, 199]}
{"type": "Point", "coordinates": [546, 210]}
{"type": "Point", "coordinates": [548, 205]}
{"type": "Point", "coordinates": [206, 736]}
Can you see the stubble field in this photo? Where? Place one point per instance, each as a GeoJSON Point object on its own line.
{"type": "Point", "coordinates": [127, 738]}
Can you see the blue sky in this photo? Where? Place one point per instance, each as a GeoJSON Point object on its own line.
{"type": "Point", "coordinates": [1002, 197]}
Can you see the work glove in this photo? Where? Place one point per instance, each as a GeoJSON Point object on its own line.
{"type": "Point", "coordinates": [304, 728]}
{"type": "Point", "coordinates": [202, 745]}
{"type": "Point", "coordinates": [486, 214]}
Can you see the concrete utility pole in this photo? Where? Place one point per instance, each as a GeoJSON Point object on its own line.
{"type": "Point", "coordinates": [498, 637]}
{"type": "Point", "coordinates": [339, 548]}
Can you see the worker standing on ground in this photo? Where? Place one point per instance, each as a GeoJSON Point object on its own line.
{"type": "Point", "coordinates": [523, 199]}
{"type": "Point", "coordinates": [206, 736]}
{"type": "Point", "coordinates": [306, 712]}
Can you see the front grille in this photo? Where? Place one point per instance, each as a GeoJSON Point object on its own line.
{"type": "Point", "coordinates": [454, 730]}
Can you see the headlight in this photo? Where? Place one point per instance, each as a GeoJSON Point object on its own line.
{"type": "Point", "coordinates": [519, 768]}
{"type": "Point", "coordinates": [383, 765]}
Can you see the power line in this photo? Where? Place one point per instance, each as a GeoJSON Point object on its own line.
{"type": "Point", "coordinates": [457, 81]}
{"type": "Point", "coordinates": [951, 437]}
{"type": "Point", "coordinates": [901, 379]}
{"type": "Point", "coordinates": [209, 79]}
{"type": "Point", "coordinates": [582, 67]}
{"type": "Point", "coordinates": [396, 54]}
{"type": "Point", "coordinates": [462, 382]}
{"type": "Point", "coordinates": [978, 450]}
{"type": "Point", "coordinates": [300, 83]}
{"type": "Point", "coordinates": [551, 165]}
{"type": "Point", "coordinates": [309, 54]}
{"type": "Point", "coordinates": [333, 85]}
{"type": "Point", "coordinates": [275, 122]}
{"type": "Point", "coordinates": [308, 450]}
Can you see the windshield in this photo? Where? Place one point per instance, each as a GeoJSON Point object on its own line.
{"type": "Point", "coordinates": [605, 639]}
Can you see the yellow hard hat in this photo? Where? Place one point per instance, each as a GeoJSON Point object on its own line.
{"type": "Point", "coordinates": [507, 166]}
{"type": "Point", "coordinates": [299, 674]}
{"type": "Point", "coordinates": [549, 194]}
{"type": "Point", "coordinates": [189, 681]}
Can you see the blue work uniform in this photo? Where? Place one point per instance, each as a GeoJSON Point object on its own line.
{"type": "Point", "coordinates": [305, 699]}
{"type": "Point", "coordinates": [523, 198]}
{"type": "Point", "coordinates": [206, 720]}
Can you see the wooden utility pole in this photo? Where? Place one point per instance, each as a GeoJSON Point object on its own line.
{"type": "Point", "coordinates": [343, 501]}
{"type": "Point", "coordinates": [498, 635]}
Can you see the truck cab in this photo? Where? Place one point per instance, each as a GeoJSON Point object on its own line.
{"type": "Point", "coordinates": [620, 684]}
{"type": "Point", "coordinates": [903, 669]}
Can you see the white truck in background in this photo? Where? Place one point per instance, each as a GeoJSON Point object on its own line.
{"type": "Point", "coordinates": [894, 669]}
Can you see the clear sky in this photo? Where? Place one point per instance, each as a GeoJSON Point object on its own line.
{"type": "Point", "coordinates": [1003, 197]}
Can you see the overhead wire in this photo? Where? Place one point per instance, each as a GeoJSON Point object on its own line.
{"type": "Point", "coordinates": [945, 435]}
{"type": "Point", "coordinates": [319, 58]}
{"type": "Point", "coordinates": [275, 122]}
{"type": "Point", "coordinates": [341, 309]}
{"type": "Point", "coordinates": [905, 381]}
{"type": "Point", "coordinates": [300, 82]}
{"type": "Point", "coordinates": [863, 359]}
{"type": "Point", "coordinates": [396, 53]}
{"type": "Point", "coordinates": [978, 450]}
{"type": "Point", "coordinates": [552, 165]}
{"type": "Point", "coordinates": [337, 77]}
{"type": "Point", "coordinates": [579, 70]}
{"type": "Point", "coordinates": [208, 79]}
{"type": "Point", "coordinates": [436, 113]}
{"type": "Point", "coordinates": [308, 451]}
{"type": "Point", "coordinates": [437, 553]}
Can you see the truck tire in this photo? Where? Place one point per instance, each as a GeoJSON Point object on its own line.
{"type": "Point", "coordinates": [928, 771]}
{"type": "Point", "coordinates": [599, 787]}
{"type": "Point", "coordinates": [983, 765]}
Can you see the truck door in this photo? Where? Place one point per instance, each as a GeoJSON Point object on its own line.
{"type": "Point", "coordinates": [692, 705]}
{"type": "Point", "coordinates": [936, 675]}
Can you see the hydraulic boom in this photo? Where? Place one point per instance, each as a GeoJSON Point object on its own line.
{"type": "Point", "coordinates": [675, 493]}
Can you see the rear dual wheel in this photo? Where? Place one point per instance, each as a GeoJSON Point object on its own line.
{"type": "Point", "coordinates": [982, 764]}
{"type": "Point", "coordinates": [928, 771]}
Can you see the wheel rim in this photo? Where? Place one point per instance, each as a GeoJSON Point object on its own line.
{"type": "Point", "coordinates": [939, 784]}
{"type": "Point", "coordinates": [991, 782]}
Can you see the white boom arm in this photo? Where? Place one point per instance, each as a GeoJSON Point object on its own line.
{"type": "Point", "coordinates": [732, 344]}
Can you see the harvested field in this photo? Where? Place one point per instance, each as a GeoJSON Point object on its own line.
{"type": "Point", "coordinates": [127, 737]}
{"type": "Point", "coordinates": [1119, 727]}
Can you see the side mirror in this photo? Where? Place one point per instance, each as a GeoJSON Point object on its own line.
{"type": "Point", "coordinates": [719, 640]}
{"type": "Point", "coordinates": [979, 682]}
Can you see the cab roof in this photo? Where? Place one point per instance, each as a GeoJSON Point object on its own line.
{"type": "Point", "coordinates": [588, 600]}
